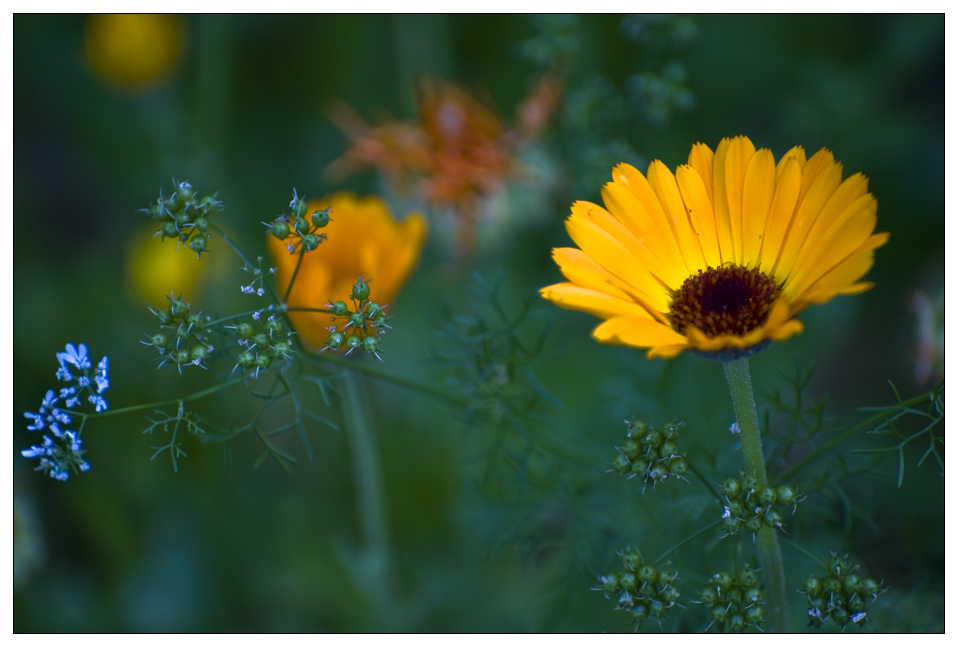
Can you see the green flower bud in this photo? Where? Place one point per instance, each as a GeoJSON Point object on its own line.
{"type": "Point", "coordinates": [320, 218]}
{"type": "Point", "coordinates": [640, 612]}
{"type": "Point", "coordinates": [210, 206]}
{"type": "Point", "coordinates": [371, 343]}
{"type": "Point", "coordinates": [310, 242]}
{"type": "Point", "coordinates": [731, 488]}
{"type": "Point", "coordinates": [753, 595]}
{"type": "Point", "coordinates": [811, 585]}
{"type": "Point", "coordinates": [178, 308]}
{"type": "Point", "coordinates": [628, 582]}
{"type": "Point", "coordinates": [336, 340]}
{"type": "Point", "coordinates": [831, 585]}
{"type": "Point", "coordinates": [169, 230]}
{"type": "Point", "coordinates": [198, 243]}
{"type": "Point", "coordinates": [669, 449]}
{"type": "Point", "coordinates": [625, 600]}
{"type": "Point", "coordinates": [280, 229]}
{"type": "Point", "coordinates": [282, 348]}
{"type": "Point", "coordinates": [647, 573]}
{"type": "Point", "coordinates": [656, 608]}
{"type": "Point", "coordinates": [753, 524]}
{"type": "Point", "coordinates": [631, 559]}
{"type": "Point", "coordinates": [719, 614]}
{"type": "Point", "coordinates": [373, 310]}
{"type": "Point", "coordinates": [852, 584]}
{"type": "Point", "coordinates": [723, 581]}
{"type": "Point", "coordinates": [164, 317]}
{"type": "Point", "coordinates": [670, 594]}
{"type": "Point", "coordinates": [244, 330]}
{"type": "Point", "coordinates": [837, 565]}
{"type": "Point", "coordinates": [300, 225]}
{"type": "Point", "coordinates": [755, 614]}
{"type": "Point", "coordinates": [246, 359]}
{"type": "Point", "coordinates": [631, 448]}
{"type": "Point", "coordinates": [298, 206]}
{"type": "Point", "coordinates": [261, 341]}
{"type": "Point", "coordinates": [160, 341]}
{"type": "Point", "coordinates": [856, 604]}
{"type": "Point", "coordinates": [274, 326]}
{"type": "Point", "coordinates": [731, 524]}
{"type": "Point", "coordinates": [199, 352]}
{"type": "Point", "coordinates": [747, 577]}
{"type": "Point", "coordinates": [184, 237]}
{"type": "Point", "coordinates": [339, 308]}
{"type": "Point", "coordinates": [353, 342]}
{"type": "Point", "coordinates": [263, 361]}
{"type": "Point", "coordinates": [773, 519]}
{"type": "Point", "coordinates": [356, 320]}
{"type": "Point", "coordinates": [640, 467]}
{"type": "Point", "coordinates": [768, 496]}
{"type": "Point", "coordinates": [659, 472]}
{"type": "Point", "coordinates": [157, 212]}
{"type": "Point", "coordinates": [380, 321]}
{"type": "Point", "coordinates": [736, 622]}
{"type": "Point", "coordinates": [184, 191]}
{"type": "Point", "coordinates": [182, 356]}
{"type": "Point", "coordinates": [638, 428]}
{"type": "Point", "coordinates": [678, 466]}
{"type": "Point", "coordinates": [709, 596]}
{"type": "Point", "coordinates": [840, 615]}
{"type": "Point", "coordinates": [610, 583]}
{"type": "Point", "coordinates": [870, 587]}
{"type": "Point", "coordinates": [652, 439]}
{"type": "Point", "coordinates": [202, 224]}
{"type": "Point", "coordinates": [737, 509]}
{"type": "Point", "coordinates": [361, 290]}
{"type": "Point", "coordinates": [786, 495]}
{"type": "Point", "coordinates": [621, 464]}
{"type": "Point", "coordinates": [181, 219]}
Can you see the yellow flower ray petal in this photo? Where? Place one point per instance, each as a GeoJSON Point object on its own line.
{"type": "Point", "coordinates": [574, 297]}
{"type": "Point", "coordinates": [638, 332]}
{"type": "Point", "coordinates": [756, 201]}
{"type": "Point", "coordinates": [787, 188]}
{"type": "Point", "coordinates": [665, 187]}
{"type": "Point", "coordinates": [701, 159]}
{"type": "Point", "coordinates": [723, 223]}
{"type": "Point", "coordinates": [697, 202]}
{"type": "Point", "coordinates": [736, 164]}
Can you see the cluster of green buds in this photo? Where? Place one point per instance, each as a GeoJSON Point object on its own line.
{"type": "Point", "coordinates": [364, 324]}
{"type": "Point", "coordinates": [840, 594]}
{"type": "Point", "coordinates": [652, 455]}
{"type": "Point", "coordinates": [185, 216]}
{"type": "Point", "coordinates": [735, 601]}
{"type": "Point", "coordinates": [298, 230]}
{"type": "Point", "coordinates": [262, 348]}
{"type": "Point", "coordinates": [751, 505]}
{"type": "Point", "coordinates": [641, 589]}
{"type": "Point", "coordinates": [182, 339]}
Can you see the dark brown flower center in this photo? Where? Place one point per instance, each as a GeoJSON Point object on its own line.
{"type": "Point", "coordinates": [727, 300]}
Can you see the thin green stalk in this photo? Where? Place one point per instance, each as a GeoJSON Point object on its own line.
{"type": "Point", "coordinates": [367, 475]}
{"type": "Point", "coordinates": [229, 241]}
{"type": "Point", "coordinates": [372, 371]}
{"type": "Point", "coordinates": [299, 262]}
{"type": "Point", "coordinates": [695, 535]}
{"type": "Point", "coordinates": [153, 405]}
{"type": "Point", "coordinates": [769, 552]}
{"type": "Point", "coordinates": [821, 451]}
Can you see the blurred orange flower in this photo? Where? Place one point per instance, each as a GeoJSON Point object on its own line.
{"type": "Point", "coordinates": [363, 240]}
{"type": "Point", "coordinates": [134, 50]}
{"type": "Point", "coordinates": [457, 153]}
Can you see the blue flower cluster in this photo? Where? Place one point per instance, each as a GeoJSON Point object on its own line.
{"type": "Point", "coordinates": [63, 452]}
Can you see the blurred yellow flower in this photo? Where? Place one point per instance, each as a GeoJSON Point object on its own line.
{"type": "Point", "coordinates": [134, 50]}
{"type": "Point", "coordinates": [363, 240]}
{"type": "Point", "coordinates": [156, 267]}
{"type": "Point", "coordinates": [720, 256]}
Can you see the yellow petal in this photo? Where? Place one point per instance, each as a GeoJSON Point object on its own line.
{"type": "Point", "coordinates": [813, 168]}
{"type": "Point", "coordinates": [574, 297]}
{"type": "Point", "coordinates": [635, 246]}
{"type": "Point", "coordinates": [808, 211]}
{"type": "Point", "coordinates": [663, 183]}
{"type": "Point", "coordinates": [756, 201]}
{"type": "Point", "coordinates": [650, 210]}
{"type": "Point", "coordinates": [611, 255]}
{"type": "Point", "coordinates": [701, 159]}
{"type": "Point", "coordinates": [740, 152]}
{"type": "Point", "coordinates": [841, 278]}
{"type": "Point", "coordinates": [723, 225]}
{"type": "Point", "coordinates": [787, 187]}
{"type": "Point", "coordinates": [638, 332]}
{"type": "Point", "coordinates": [582, 270]}
{"type": "Point", "coordinates": [699, 206]}
{"type": "Point", "coordinates": [796, 153]}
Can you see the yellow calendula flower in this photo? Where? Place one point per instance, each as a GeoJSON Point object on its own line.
{"type": "Point", "coordinates": [363, 241]}
{"type": "Point", "coordinates": [720, 256]}
{"type": "Point", "coordinates": [134, 50]}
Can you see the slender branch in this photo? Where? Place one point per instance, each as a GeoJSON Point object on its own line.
{"type": "Point", "coordinates": [372, 371]}
{"type": "Point", "coordinates": [229, 241]}
{"type": "Point", "coordinates": [292, 279]}
{"type": "Point", "coordinates": [153, 405]}
{"type": "Point", "coordinates": [821, 450]}
{"type": "Point", "coordinates": [695, 535]}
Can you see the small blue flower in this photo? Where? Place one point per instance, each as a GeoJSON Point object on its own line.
{"type": "Point", "coordinates": [102, 381]}
{"type": "Point", "coordinates": [57, 460]}
{"type": "Point", "coordinates": [48, 415]}
{"type": "Point", "coordinates": [77, 357]}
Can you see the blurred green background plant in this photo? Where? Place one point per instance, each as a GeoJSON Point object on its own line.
{"type": "Point", "coordinates": [499, 522]}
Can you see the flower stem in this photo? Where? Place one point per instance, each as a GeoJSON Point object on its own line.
{"type": "Point", "coordinates": [376, 555]}
{"type": "Point", "coordinates": [769, 552]}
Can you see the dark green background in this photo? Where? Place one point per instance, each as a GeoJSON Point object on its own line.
{"type": "Point", "coordinates": [131, 546]}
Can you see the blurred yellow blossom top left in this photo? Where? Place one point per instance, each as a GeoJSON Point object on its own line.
{"type": "Point", "coordinates": [134, 51]}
